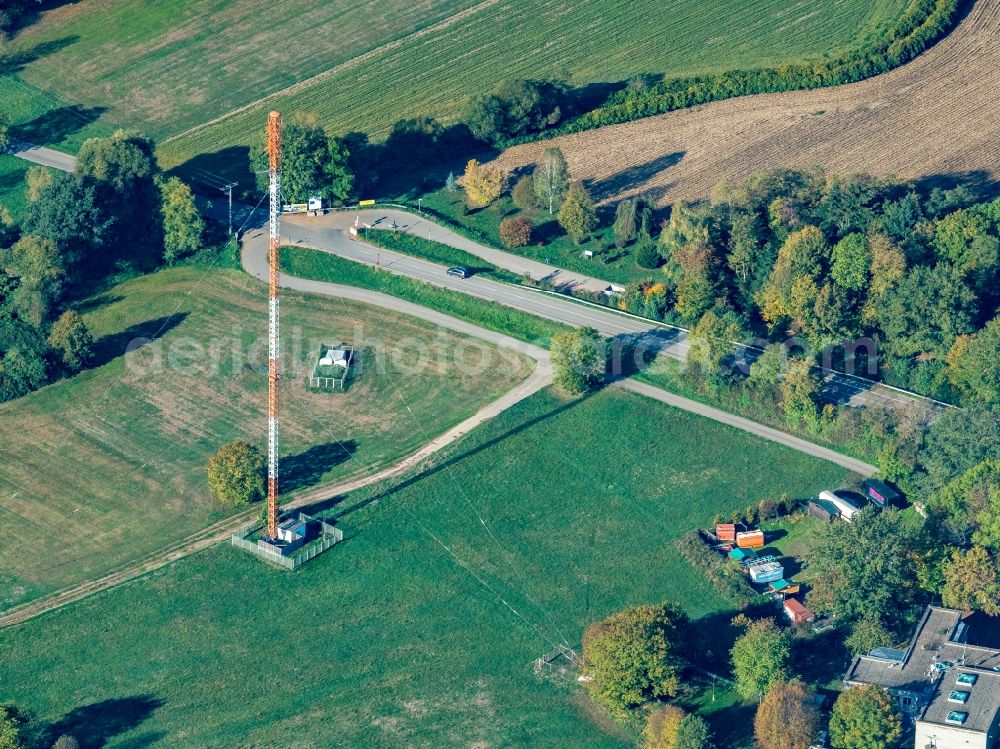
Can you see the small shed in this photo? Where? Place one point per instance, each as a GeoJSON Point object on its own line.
{"type": "Point", "coordinates": [796, 612]}
{"type": "Point", "coordinates": [825, 511]}
{"type": "Point", "coordinates": [725, 531]}
{"type": "Point", "coordinates": [292, 529]}
{"type": "Point", "coordinates": [784, 587]}
{"type": "Point", "coordinates": [743, 556]}
{"type": "Point", "coordinates": [880, 494]}
{"type": "Point", "coordinates": [750, 539]}
{"type": "Point", "coordinates": [768, 572]}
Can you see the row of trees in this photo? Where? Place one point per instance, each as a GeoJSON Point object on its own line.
{"type": "Point", "coordinates": [546, 188]}
{"type": "Point", "coordinates": [790, 254]}
{"type": "Point", "coordinates": [637, 659]}
{"type": "Point", "coordinates": [116, 212]}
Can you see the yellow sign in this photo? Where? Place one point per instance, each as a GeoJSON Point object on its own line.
{"type": "Point", "coordinates": [366, 202]}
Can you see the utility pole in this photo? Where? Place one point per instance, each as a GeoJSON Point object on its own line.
{"type": "Point", "coordinates": [228, 189]}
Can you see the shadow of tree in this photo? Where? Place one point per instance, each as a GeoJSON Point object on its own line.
{"type": "Point", "coordinates": [93, 725]}
{"type": "Point", "coordinates": [307, 468]}
{"type": "Point", "coordinates": [110, 347]}
{"type": "Point", "coordinates": [633, 177]}
{"type": "Point", "coordinates": [16, 61]}
{"type": "Point", "coordinates": [56, 124]}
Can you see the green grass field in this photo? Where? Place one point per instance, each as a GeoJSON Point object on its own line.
{"type": "Point", "coordinates": [158, 66]}
{"type": "Point", "coordinates": [388, 640]}
{"type": "Point", "coordinates": [109, 465]}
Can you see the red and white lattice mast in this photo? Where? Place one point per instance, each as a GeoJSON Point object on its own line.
{"type": "Point", "coordinates": [274, 160]}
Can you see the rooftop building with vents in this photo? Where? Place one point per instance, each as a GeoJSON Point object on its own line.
{"type": "Point", "coordinates": [949, 687]}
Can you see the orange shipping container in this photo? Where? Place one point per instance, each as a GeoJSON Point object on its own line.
{"type": "Point", "coordinates": [750, 539]}
{"type": "Point", "coordinates": [725, 532]}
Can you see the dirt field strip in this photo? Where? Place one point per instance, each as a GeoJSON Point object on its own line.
{"type": "Point", "coordinates": [937, 115]}
{"type": "Point", "coordinates": [342, 67]}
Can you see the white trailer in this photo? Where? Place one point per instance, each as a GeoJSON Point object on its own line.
{"type": "Point", "coordinates": [845, 506]}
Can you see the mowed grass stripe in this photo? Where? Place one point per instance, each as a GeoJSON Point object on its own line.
{"type": "Point", "coordinates": [109, 465]}
{"type": "Point", "coordinates": [387, 632]}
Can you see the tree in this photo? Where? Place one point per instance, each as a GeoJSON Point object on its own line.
{"type": "Point", "coordinates": [974, 364]}
{"type": "Point", "coordinates": [12, 725]}
{"type": "Point", "coordinates": [868, 633]}
{"type": "Point", "coordinates": [450, 183]}
{"type": "Point", "coordinates": [312, 163]}
{"type": "Point", "coordinates": [787, 718]}
{"type": "Point", "coordinates": [851, 262]}
{"type": "Point", "coordinates": [580, 360]}
{"type": "Point", "coordinates": [67, 213]}
{"type": "Point", "coordinates": [551, 178]}
{"type": "Point", "coordinates": [865, 717]}
{"type": "Point", "coordinates": [626, 225]}
{"type": "Point", "coordinates": [661, 727]}
{"type": "Point", "coordinates": [956, 442]}
{"type": "Point", "coordinates": [576, 214]}
{"type": "Point", "coordinates": [514, 108]}
{"type": "Point", "coordinates": [647, 256]}
{"type": "Point", "coordinates": [38, 178]}
{"type": "Point", "coordinates": [71, 340]}
{"type": "Point", "coordinates": [760, 657]}
{"type": "Point", "coordinates": [693, 733]}
{"type": "Point", "coordinates": [865, 567]}
{"type": "Point", "coordinates": [791, 288]}
{"type": "Point", "coordinates": [483, 184]}
{"type": "Point", "coordinates": [770, 366]}
{"type": "Point", "coordinates": [66, 742]}
{"type": "Point", "coordinates": [236, 474]}
{"type": "Point", "coordinates": [38, 266]}
{"type": "Point", "coordinates": [799, 388]}
{"type": "Point", "coordinates": [635, 656]}
{"type": "Point", "coordinates": [523, 194]}
{"type": "Point", "coordinates": [972, 581]}
{"type": "Point", "coordinates": [712, 339]}
{"type": "Point", "coordinates": [925, 312]}
{"type": "Point", "coordinates": [182, 222]}
{"type": "Point", "coordinates": [4, 129]}
{"type": "Point", "coordinates": [516, 231]}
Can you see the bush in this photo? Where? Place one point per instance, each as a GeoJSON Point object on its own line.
{"type": "Point", "coordinates": [648, 256]}
{"type": "Point", "coordinates": [516, 231]}
{"type": "Point", "coordinates": [236, 474]}
{"type": "Point", "coordinates": [523, 194]}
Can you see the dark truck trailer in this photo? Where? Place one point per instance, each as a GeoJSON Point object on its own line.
{"type": "Point", "coordinates": [880, 494]}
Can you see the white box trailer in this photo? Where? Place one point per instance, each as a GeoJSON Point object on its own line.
{"type": "Point", "coordinates": [768, 572]}
{"type": "Point", "coordinates": [845, 506]}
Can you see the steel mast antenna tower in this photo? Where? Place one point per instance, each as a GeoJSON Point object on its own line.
{"type": "Point", "coordinates": [274, 159]}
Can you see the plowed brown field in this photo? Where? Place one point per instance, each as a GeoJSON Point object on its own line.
{"type": "Point", "coordinates": [938, 115]}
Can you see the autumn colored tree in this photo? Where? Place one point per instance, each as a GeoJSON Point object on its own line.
{"type": "Point", "coordinates": [972, 581]}
{"type": "Point", "coordinates": [71, 340]}
{"type": "Point", "coordinates": [865, 717]}
{"type": "Point", "coordinates": [483, 184]}
{"type": "Point", "coordinates": [579, 358]}
{"type": "Point", "coordinates": [576, 215]}
{"type": "Point", "coordinates": [635, 656]}
{"type": "Point", "coordinates": [791, 289]}
{"type": "Point", "coordinates": [787, 717]}
{"type": "Point", "coordinates": [182, 222]}
{"type": "Point", "coordinates": [236, 474]}
{"type": "Point", "coordinates": [516, 231]}
{"type": "Point", "coordinates": [661, 728]}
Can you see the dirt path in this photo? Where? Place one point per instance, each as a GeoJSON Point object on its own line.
{"type": "Point", "coordinates": [937, 115]}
